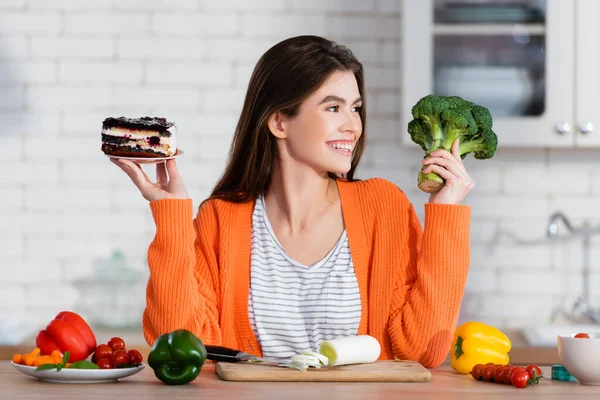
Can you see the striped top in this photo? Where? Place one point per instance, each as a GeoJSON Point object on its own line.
{"type": "Point", "coordinates": [293, 307]}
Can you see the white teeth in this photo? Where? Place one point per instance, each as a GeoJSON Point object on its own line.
{"type": "Point", "coordinates": [346, 146]}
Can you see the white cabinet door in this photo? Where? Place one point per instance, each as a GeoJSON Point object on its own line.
{"type": "Point", "coordinates": [587, 68]}
{"type": "Point", "coordinates": [496, 71]}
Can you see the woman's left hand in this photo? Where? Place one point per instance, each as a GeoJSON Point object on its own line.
{"type": "Point", "coordinates": [451, 168]}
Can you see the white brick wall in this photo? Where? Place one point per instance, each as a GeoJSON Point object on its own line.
{"type": "Point", "coordinates": [66, 65]}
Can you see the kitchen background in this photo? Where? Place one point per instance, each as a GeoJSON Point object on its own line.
{"type": "Point", "coordinates": [74, 231]}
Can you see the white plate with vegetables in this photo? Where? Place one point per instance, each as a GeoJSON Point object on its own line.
{"type": "Point", "coordinates": [72, 375]}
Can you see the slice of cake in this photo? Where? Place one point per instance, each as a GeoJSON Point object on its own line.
{"type": "Point", "coordinates": [139, 137]}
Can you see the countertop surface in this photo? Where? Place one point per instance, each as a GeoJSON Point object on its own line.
{"type": "Point", "coordinates": [445, 384]}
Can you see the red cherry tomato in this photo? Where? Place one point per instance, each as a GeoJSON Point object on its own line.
{"type": "Point", "coordinates": [582, 336]}
{"type": "Point", "coordinates": [116, 343]}
{"type": "Point", "coordinates": [519, 377]}
{"type": "Point", "coordinates": [531, 369]}
{"type": "Point", "coordinates": [120, 358]}
{"type": "Point", "coordinates": [102, 351]}
{"type": "Point", "coordinates": [135, 357]}
{"type": "Point", "coordinates": [506, 374]}
{"type": "Point", "coordinates": [488, 373]}
{"type": "Point", "coordinates": [104, 363]}
{"type": "Point", "coordinates": [477, 371]}
{"type": "Point", "coordinates": [498, 371]}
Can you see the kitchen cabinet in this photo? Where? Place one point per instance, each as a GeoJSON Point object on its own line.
{"type": "Point", "coordinates": [533, 63]}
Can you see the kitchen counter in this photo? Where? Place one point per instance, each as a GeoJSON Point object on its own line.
{"type": "Point", "coordinates": [445, 384]}
{"type": "Point", "coordinates": [521, 353]}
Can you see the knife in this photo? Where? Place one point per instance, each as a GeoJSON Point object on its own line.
{"type": "Point", "coordinates": [226, 354]}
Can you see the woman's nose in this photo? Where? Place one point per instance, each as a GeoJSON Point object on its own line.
{"type": "Point", "coordinates": [351, 123]}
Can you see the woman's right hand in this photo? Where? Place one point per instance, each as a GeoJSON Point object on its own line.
{"type": "Point", "coordinates": [169, 184]}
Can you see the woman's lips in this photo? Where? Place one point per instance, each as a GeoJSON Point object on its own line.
{"type": "Point", "coordinates": [343, 147]}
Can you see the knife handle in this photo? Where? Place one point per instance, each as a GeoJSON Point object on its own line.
{"type": "Point", "coordinates": [220, 353]}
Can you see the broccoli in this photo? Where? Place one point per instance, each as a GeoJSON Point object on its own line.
{"type": "Point", "coordinates": [440, 120]}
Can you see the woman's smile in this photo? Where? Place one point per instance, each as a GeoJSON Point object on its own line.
{"type": "Point", "coordinates": [343, 147]}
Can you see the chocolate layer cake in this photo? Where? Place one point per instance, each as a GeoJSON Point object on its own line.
{"type": "Point", "coordinates": [139, 137]}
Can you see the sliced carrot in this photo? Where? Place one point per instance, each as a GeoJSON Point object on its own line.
{"type": "Point", "coordinates": [17, 359]}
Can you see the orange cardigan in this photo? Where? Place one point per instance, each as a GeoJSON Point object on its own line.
{"type": "Point", "coordinates": [411, 280]}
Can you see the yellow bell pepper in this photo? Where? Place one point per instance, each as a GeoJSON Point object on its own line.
{"type": "Point", "coordinates": [478, 343]}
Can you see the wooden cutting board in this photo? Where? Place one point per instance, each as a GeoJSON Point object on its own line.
{"type": "Point", "coordinates": [379, 371]}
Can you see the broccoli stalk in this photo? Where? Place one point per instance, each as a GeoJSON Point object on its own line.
{"type": "Point", "coordinates": [439, 120]}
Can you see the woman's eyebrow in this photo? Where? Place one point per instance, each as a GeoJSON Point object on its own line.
{"type": "Point", "coordinates": [338, 99]}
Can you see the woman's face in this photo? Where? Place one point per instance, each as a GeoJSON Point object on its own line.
{"type": "Point", "coordinates": [324, 132]}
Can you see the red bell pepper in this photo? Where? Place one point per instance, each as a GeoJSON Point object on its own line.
{"type": "Point", "coordinates": [67, 332]}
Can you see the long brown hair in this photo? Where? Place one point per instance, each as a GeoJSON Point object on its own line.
{"type": "Point", "coordinates": [283, 78]}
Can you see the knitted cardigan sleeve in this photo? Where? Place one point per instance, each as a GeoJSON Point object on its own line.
{"type": "Point", "coordinates": [431, 273]}
{"type": "Point", "coordinates": [182, 290]}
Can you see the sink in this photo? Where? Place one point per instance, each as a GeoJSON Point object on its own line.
{"type": "Point", "coordinates": [546, 335]}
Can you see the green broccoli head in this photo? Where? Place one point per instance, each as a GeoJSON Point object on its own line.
{"type": "Point", "coordinates": [459, 123]}
{"type": "Point", "coordinates": [438, 121]}
{"type": "Point", "coordinates": [419, 133]}
{"type": "Point", "coordinates": [483, 146]}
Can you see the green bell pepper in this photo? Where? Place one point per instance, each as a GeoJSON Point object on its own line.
{"type": "Point", "coordinates": [177, 357]}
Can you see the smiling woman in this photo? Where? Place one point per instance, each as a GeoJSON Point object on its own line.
{"type": "Point", "coordinates": [291, 250]}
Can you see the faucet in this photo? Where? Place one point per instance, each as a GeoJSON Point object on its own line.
{"type": "Point", "coordinates": [582, 304]}
{"type": "Point", "coordinates": [552, 228]}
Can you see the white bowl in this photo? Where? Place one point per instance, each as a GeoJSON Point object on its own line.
{"type": "Point", "coordinates": [581, 357]}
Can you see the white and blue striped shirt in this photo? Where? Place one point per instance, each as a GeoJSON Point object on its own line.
{"type": "Point", "coordinates": [294, 307]}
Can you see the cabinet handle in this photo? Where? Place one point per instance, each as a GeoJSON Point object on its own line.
{"type": "Point", "coordinates": [586, 127]}
{"type": "Point", "coordinates": [563, 127]}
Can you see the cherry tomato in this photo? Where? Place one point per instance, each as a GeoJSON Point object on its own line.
{"type": "Point", "coordinates": [519, 377]}
{"type": "Point", "coordinates": [506, 374]}
{"type": "Point", "coordinates": [102, 351]}
{"type": "Point", "coordinates": [490, 363]}
{"type": "Point", "coordinates": [104, 363]}
{"type": "Point", "coordinates": [498, 371]}
{"type": "Point", "coordinates": [120, 358]}
{"type": "Point", "coordinates": [116, 343]}
{"type": "Point", "coordinates": [476, 371]}
{"type": "Point", "coordinates": [135, 357]}
{"type": "Point", "coordinates": [488, 373]}
{"type": "Point", "coordinates": [582, 336]}
{"type": "Point", "coordinates": [531, 368]}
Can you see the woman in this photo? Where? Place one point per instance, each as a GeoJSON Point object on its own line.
{"type": "Point", "coordinates": [290, 249]}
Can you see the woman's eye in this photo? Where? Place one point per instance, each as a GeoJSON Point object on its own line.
{"type": "Point", "coordinates": [337, 108]}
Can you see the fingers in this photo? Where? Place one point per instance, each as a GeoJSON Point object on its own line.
{"type": "Point", "coordinates": [446, 160]}
{"type": "Point", "coordinates": [172, 169]}
{"type": "Point", "coordinates": [455, 150]}
{"type": "Point", "coordinates": [448, 164]}
{"type": "Point", "coordinates": [448, 176]}
{"type": "Point", "coordinates": [161, 173]}
{"type": "Point", "coordinates": [135, 172]}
